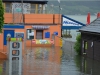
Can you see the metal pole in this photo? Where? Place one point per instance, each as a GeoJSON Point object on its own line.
{"type": "Point", "coordinates": [59, 12]}
{"type": "Point", "coordinates": [24, 39]}
{"type": "Point", "coordinates": [31, 44]}
{"type": "Point", "coordinates": [22, 12]}
{"type": "Point", "coordinates": [13, 15]}
{"type": "Point", "coordinates": [60, 19]}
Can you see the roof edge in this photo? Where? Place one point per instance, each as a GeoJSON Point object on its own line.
{"type": "Point", "coordinates": [93, 21]}
{"type": "Point", "coordinates": [45, 1]}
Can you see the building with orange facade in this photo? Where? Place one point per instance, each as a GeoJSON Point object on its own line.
{"type": "Point", "coordinates": [30, 20]}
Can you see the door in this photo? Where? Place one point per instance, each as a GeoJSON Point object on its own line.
{"type": "Point", "coordinates": [39, 34]}
{"type": "Point", "coordinates": [11, 32]}
{"type": "Point", "coordinates": [90, 49]}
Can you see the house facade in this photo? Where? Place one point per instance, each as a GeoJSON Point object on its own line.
{"type": "Point", "coordinates": [30, 20]}
{"type": "Point", "coordinates": [90, 42]}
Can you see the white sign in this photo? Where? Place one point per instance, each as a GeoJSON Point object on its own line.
{"type": "Point", "coordinates": [67, 22]}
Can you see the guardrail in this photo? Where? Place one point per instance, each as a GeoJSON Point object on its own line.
{"type": "Point", "coordinates": [30, 11]}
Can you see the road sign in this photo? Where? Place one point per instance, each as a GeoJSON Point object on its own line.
{"type": "Point", "coordinates": [52, 41]}
{"type": "Point", "coordinates": [34, 41]}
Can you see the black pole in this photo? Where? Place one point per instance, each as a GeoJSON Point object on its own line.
{"type": "Point", "coordinates": [31, 45]}
{"type": "Point", "coordinates": [60, 18]}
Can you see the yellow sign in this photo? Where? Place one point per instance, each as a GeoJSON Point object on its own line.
{"type": "Point", "coordinates": [61, 42]}
{"type": "Point", "coordinates": [43, 41]}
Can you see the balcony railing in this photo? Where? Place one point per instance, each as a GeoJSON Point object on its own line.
{"type": "Point", "coordinates": [30, 16]}
{"type": "Point", "coordinates": [26, 11]}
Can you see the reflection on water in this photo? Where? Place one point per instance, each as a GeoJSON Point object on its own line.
{"type": "Point", "coordinates": [42, 61]}
{"type": "Point", "coordinates": [51, 61]}
{"type": "Point", "coordinates": [87, 65]}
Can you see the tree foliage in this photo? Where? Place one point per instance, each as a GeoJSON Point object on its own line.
{"type": "Point", "coordinates": [1, 16]}
{"type": "Point", "coordinates": [77, 46]}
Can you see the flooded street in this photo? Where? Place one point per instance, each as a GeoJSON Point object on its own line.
{"type": "Point", "coordinates": [52, 61]}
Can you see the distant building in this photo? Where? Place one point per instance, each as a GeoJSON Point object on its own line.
{"type": "Point", "coordinates": [91, 39]}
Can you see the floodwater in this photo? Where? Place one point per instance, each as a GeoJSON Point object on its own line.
{"type": "Point", "coordinates": [52, 61]}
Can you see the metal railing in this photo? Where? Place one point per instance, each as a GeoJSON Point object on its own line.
{"type": "Point", "coordinates": [26, 11]}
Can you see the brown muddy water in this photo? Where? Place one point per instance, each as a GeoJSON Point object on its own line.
{"type": "Point", "coordinates": [52, 61]}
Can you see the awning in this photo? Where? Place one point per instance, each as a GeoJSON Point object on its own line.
{"type": "Point", "coordinates": [37, 27]}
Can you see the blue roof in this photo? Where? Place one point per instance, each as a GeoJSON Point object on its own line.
{"type": "Point", "coordinates": [73, 22]}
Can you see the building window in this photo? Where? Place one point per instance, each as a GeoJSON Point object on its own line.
{"type": "Point", "coordinates": [91, 44]}
{"type": "Point", "coordinates": [30, 34]}
{"type": "Point", "coordinates": [40, 8]}
{"type": "Point", "coordinates": [39, 34]}
{"type": "Point", "coordinates": [83, 44]}
{"type": "Point", "coordinates": [17, 8]}
{"type": "Point", "coordinates": [19, 35]}
{"type": "Point", "coordinates": [33, 8]}
{"type": "Point", "coordinates": [8, 7]}
{"type": "Point", "coordinates": [86, 45]}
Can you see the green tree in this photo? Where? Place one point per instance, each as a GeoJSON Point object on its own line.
{"type": "Point", "coordinates": [1, 16]}
{"type": "Point", "coordinates": [77, 46]}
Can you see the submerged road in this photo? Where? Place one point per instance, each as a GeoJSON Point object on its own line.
{"type": "Point", "coordinates": [52, 61]}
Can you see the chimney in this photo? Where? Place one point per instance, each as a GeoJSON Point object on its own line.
{"type": "Point", "coordinates": [98, 15]}
{"type": "Point", "coordinates": [88, 19]}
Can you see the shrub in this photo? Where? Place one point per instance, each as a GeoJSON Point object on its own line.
{"type": "Point", "coordinates": [77, 46]}
{"type": "Point", "coordinates": [1, 16]}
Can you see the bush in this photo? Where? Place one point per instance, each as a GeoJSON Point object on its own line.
{"type": "Point", "coordinates": [77, 46]}
{"type": "Point", "coordinates": [1, 15]}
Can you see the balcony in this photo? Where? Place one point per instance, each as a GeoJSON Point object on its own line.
{"type": "Point", "coordinates": [28, 11]}
{"type": "Point", "coordinates": [31, 17]}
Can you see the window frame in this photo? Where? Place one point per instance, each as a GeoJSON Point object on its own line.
{"type": "Point", "coordinates": [27, 34]}
{"type": "Point", "coordinates": [34, 9]}
{"type": "Point", "coordinates": [20, 32]}
{"type": "Point", "coordinates": [10, 8]}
